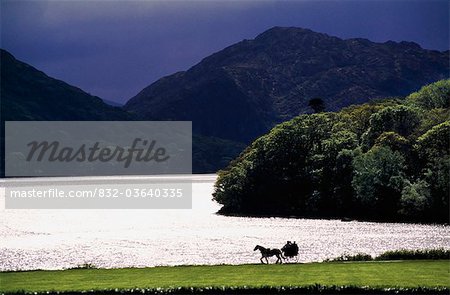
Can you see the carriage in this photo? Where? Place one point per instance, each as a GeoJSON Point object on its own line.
{"type": "Point", "coordinates": [290, 251]}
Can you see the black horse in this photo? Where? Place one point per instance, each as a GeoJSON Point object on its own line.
{"type": "Point", "coordinates": [267, 252]}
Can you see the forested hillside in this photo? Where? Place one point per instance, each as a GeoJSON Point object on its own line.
{"type": "Point", "coordinates": [385, 160]}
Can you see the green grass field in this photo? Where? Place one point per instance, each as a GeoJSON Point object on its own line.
{"type": "Point", "coordinates": [424, 273]}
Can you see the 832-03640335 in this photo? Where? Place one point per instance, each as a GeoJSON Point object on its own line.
{"type": "Point", "coordinates": [99, 193]}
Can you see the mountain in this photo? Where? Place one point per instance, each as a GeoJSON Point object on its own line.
{"type": "Point", "coordinates": [242, 91]}
{"type": "Point", "coordinates": [29, 94]}
{"type": "Point", "coordinates": [239, 93]}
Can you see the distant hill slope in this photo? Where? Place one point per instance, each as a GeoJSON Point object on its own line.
{"type": "Point", "coordinates": [29, 94]}
{"type": "Point", "coordinates": [241, 91]}
{"type": "Point", "coordinates": [113, 103]}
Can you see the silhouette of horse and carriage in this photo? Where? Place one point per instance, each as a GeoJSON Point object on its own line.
{"type": "Point", "coordinates": [288, 252]}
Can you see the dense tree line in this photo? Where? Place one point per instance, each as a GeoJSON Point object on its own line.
{"type": "Point", "coordinates": [385, 160]}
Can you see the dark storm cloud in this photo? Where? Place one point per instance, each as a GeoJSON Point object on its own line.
{"type": "Point", "coordinates": [115, 48]}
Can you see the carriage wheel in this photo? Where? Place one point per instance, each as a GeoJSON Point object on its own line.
{"type": "Point", "coordinates": [292, 259]}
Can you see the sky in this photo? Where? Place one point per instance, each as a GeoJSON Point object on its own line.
{"type": "Point", "coordinates": [113, 49]}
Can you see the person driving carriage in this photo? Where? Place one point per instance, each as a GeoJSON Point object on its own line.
{"type": "Point", "coordinates": [290, 249]}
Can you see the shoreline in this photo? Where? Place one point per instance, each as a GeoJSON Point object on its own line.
{"type": "Point", "coordinates": [400, 255]}
{"type": "Point", "coordinates": [194, 178]}
{"type": "Point", "coordinates": [342, 218]}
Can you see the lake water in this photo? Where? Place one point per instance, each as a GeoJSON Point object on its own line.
{"type": "Point", "coordinates": [57, 239]}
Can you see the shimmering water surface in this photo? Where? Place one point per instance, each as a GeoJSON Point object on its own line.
{"type": "Point", "coordinates": [56, 239]}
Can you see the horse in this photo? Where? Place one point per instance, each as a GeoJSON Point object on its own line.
{"type": "Point", "coordinates": [267, 252]}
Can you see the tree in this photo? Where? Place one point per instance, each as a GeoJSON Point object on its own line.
{"type": "Point", "coordinates": [434, 155]}
{"type": "Point", "coordinates": [378, 180]}
{"type": "Point", "coordinates": [434, 143]}
{"type": "Point", "coordinates": [394, 141]}
{"type": "Point", "coordinates": [399, 119]}
{"type": "Point", "coordinates": [317, 104]}
{"type": "Point", "coordinates": [436, 95]}
{"type": "Point", "coordinates": [385, 160]}
{"type": "Point", "coordinates": [415, 200]}
{"type": "Point", "coordinates": [437, 174]}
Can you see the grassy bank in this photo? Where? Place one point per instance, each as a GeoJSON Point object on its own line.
{"type": "Point", "coordinates": [402, 254]}
{"type": "Point", "coordinates": [375, 274]}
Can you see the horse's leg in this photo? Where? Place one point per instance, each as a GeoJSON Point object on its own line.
{"type": "Point", "coordinates": [262, 260]}
{"type": "Point", "coordinates": [267, 260]}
